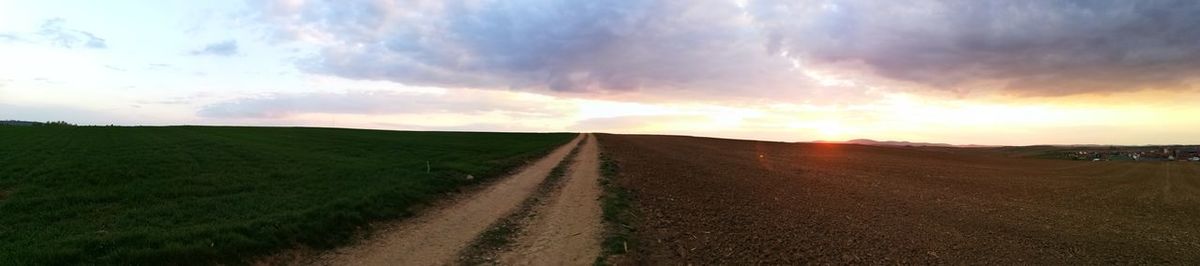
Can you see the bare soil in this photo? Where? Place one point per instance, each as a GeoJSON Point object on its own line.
{"type": "Point", "coordinates": [435, 236]}
{"type": "Point", "coordinates": [566, 229]}
{"type": "Point", "coordinates": [716, 201]}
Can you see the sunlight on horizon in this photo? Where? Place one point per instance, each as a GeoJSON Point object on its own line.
{"type": "Point", "coordinates": [752, 70]}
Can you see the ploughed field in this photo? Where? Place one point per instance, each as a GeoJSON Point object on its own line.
{"type": "Point", "coordinates": [202, 195]}
{"type": "Point", "coordinates": [717, 201]}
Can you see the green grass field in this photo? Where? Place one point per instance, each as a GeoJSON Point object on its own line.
{"type": "Point", "coordinates": [201, 195]}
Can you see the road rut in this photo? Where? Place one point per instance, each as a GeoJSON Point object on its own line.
{"type": "Point", "coordinates": [566, 230]}
{"type": "Point", "coordinates": [437, 236]}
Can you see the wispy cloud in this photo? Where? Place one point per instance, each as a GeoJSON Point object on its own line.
{"type": "Point", "coordinates": [638, 123]}
{"type": "Point", "coordinates": [222, 48]}
{"type": "Point", "coordinates": [9, 37]}
{"type": "Point", "coordinates": [53, 32]}
{"type": "Point", "coordinates": [282, 105]}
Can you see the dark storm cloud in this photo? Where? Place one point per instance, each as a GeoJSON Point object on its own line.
{"type": "Point", "coordinates": [573, 45]}
{"type": "Point", "coordinates": [1035, 47]}
{"type": "Point", "coordinates": [222, 48]}
{"type": "Point", "coordinates": [1030, 47]}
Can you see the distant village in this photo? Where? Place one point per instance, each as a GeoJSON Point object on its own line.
{"type": "Point", "coordinates": [1083, 153]}
{"type": "Point", "coordinates": [1149, 153]}
{"type": "Point", "coordinates": [21, 123]}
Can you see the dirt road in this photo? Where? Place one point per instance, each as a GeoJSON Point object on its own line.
{"type": "Point", "coordinates": [436, 236]}
{"type": "Point", "coordinates": [566, 229]}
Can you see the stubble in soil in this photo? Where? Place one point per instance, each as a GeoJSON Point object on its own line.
{"type": "Point", "coordinates": [715, 201]}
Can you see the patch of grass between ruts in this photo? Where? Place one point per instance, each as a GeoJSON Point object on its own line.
{"type": "Point", "coordinates": [618, 215]}
{"type": "Point", "coordinates": [500, 235]}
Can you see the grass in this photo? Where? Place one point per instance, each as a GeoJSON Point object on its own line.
{"type": "Point", "coordinates": [617, 213]}
{"type": "Point", "coordinates": [495, 237]}
{"type": "Point", "coordinates": [203, 195]}
{"type": "Point", "coordinates": [501, 234]}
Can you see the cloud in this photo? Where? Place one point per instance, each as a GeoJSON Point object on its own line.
{"type": "Point", "coordinates": [48, 112]}
{"type": "Point", "coordinates": [682, 48]}
{"type": "Point", "coordinates": [479, 127]}
{"type": "Point", "coordinates": [638, 123]}
{"type": "Point", "coordinates": [54, 33]}
{"type": "Point", "coordinates": [159, 66]}
{"type": "Point", "coordinates": [755, 48]}
{"type": "Point", "coordinates": [1029, 47]}
{"type": "Point", "coordinates": [222, 48]}
{"type": "Point", "coordinates": [466, 102]}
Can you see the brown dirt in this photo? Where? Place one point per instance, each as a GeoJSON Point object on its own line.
{"type": "Point", "coordinates": [714, 201]}
{"type": "Point", "coordinates": [436, 236]}
{"type": "Point", "coordinates": [566, 229]}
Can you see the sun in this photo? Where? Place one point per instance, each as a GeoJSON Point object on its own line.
{"type": "Point", "coordinates": [830, 129]}
{"type": "Point", "coordinates": [826, 129]}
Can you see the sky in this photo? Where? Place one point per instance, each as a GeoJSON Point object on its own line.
{"type": "Point", "coordinates": [964, 72]}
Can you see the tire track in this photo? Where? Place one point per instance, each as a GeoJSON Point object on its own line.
{"type": "Point", "coordinates": [437, 236]}
{"type": "Point", "coordinates": [566, 230]}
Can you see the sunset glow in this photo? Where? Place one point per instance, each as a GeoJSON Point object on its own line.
{"type": "Point", "coordinates": [787, 71]}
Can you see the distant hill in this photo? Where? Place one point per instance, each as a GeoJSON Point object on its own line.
{"type": "Point", "coordinates": [897, 143]}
